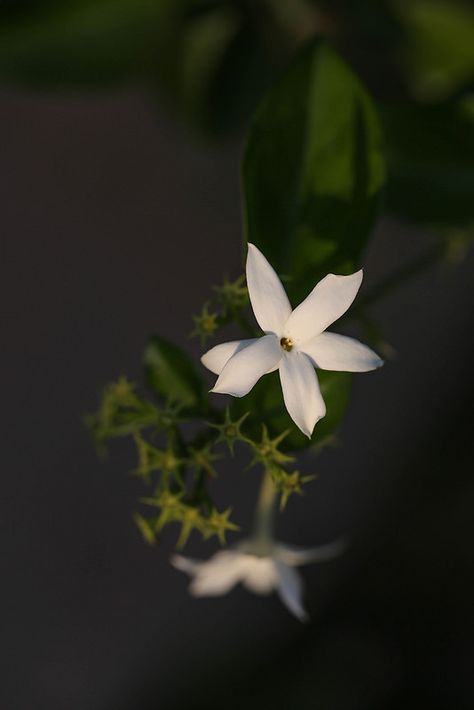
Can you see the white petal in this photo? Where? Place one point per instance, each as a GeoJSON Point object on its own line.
{"type": "Point", "coordinates": [216, 358]}
{"type": "Point", "coordinates": [301, 391]}
{"type": "Point", "coordinates": [290, 589]}
{"type": "Point", "coordinates": [185, 564]}
{"type": "Point", "coordinates": [295, 556]}
{"type": "Point", "coordinates": [260, 575]}
{"type": "Point", "coordinates": [331, 351]}
{"type": "Point", "coordinates": [268, 298]}
{"type": "Point", "coordinates": [327, 302]}
{"type": "Point", "coordinates": [215, 576]}
{"type": "Point", "coordinates": [247, 366]}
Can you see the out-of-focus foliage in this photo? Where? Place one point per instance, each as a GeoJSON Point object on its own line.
{"type": "Point", "coordinates": [81, 43]}
{"type": "Point", "coordinates": [313, 171]}
{"type": "Point", "coordinates": [208, 58]}
{"type": "Point", "coordinates": [177, 469]}
{"type": "Point", "coordinates": [431, 158]}
{"type": "Point", "coordinates": [212, 61]}
{"type": "Point", "coordinates": [172, 376]}
{"type": "Point", "coordinates": [439, 49]}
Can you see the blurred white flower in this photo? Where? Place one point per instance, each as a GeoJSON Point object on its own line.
{"type": "Point", "coordinates": [295, 342]}
{"type": "Point", "coordinates": [261, 569]}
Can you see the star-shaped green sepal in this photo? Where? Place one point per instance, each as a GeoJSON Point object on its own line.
{"type": "Point", "coordinates": [230, 430]}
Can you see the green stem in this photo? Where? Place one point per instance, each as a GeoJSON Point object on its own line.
{"type": "Point", "coordinates": [265, 511]}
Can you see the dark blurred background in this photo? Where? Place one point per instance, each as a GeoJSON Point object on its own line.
{"type": "Point", "coordinates": [119, 210]}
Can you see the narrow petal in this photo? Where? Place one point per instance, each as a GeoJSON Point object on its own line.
{"type": "Point", "coordinates": [247, 366]}
{"type": "Point", "coordinates": [301, 392]}
{"type": "Point", "coordinates": [327, 302]}
{"type": "Point", "coordinates": [216, 358]}
{"type": "Point", "coordinates": [290, 590]}
{"type": "Point", "coordinates": [295, 556]}
{"type": "Point", "coordinates": [215, 576]}
{"type": "Point", "coordinates": [185, 564]}
{"type": "Point", "coordinates": [331, 351]}
{"type": "Point", "coordinates": [268, 298]}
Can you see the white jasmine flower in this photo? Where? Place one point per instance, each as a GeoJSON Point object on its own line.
{"type": "Point", "coordinates": [261, 569]}
{"type": "Point", "coordinates": [295, 342]}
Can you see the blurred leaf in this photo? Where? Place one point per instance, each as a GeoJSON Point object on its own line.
{"type": "Point", "coordinates": [171, 375]}
{"type": "Point", "coordinates": [13, 9]}
{"type": "Point", "coordinates": [265, 402]}
{"type": "Point", "coordinates": [430, 152]}
{"type": "Point", "coordinates": [216, 63]}
{"type": "Point", "coordinates": [121, 412]}
{"type": "Point", "coordinates": [239, 80]}
{"type": "Point", "coordinates": [440, 52]}
{"type": "Point", "coordinates": [203, 45]}
{"type": "Point", "coordinates": [207, 58]}
{"type": "Point", "coordinates": [83, 42]}
{"type": "Point", "coordinates": [313, 170]}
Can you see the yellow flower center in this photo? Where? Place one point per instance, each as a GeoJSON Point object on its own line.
{"type": "Point", "coordinates": [286, 344]}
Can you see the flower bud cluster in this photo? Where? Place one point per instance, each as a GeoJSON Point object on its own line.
{"type": "Point", "coordinates": [227, 304]}
{"type": "Point", "coordinates": [178, 472]}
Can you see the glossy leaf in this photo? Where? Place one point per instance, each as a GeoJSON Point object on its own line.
{"type": "Point", "coordinates": [172, 376]}
{"type": "Point", "coordinates": [313, 170]}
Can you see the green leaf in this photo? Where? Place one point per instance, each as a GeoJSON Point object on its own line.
{"type": "Point", "coordinates": [83, 42]}
{"type": "Point", "coordinates": [430, 152]}
{"type": "Point", "coordinates": [171, 375]}
{"type": "Point", "coordinates": [216, 64]}
{"type": "Point", "coordinates": [203, 44]}
{"type": "Point", "coordinates": [121, 412]}
{"type": "Point", "coordinates": [440, 47]}
{"type": "Point", "coordinates": [206, 59]}
{"type": "Point", "coordinates": [313, 170]}
{"type": "Point", "coordinates": [265, 402]}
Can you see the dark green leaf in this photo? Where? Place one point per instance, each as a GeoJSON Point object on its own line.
{"type": "Point", "coordinates": [431, 162]}
{"type": "Point", "coordinates": [171, 375]}
{"type": "Point", "coordinates": [83, 42]}
{"type": "Point", "coordinates": [313, 170]}
{"type": "Point", "coordinates": [265, 402]}
{"type": "Point", "coordinates": [439, 52]}
{"type": "Point", "coordinates": [215, 63]}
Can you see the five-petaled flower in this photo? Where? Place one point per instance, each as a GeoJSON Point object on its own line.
{"type": "Point", "coordinates": [260, 570]}
{"type": "Point", "coordinates": [295, 342]}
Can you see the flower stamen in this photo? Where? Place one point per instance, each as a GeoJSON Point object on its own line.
{"type": "Point", "coordinates": [286, 344]}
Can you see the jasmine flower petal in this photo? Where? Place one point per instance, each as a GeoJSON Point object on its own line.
{"type": "Point", "coordinates": [294, 341]}
{"type": "Point", "coordinates": [261, 575]}
{"type": "Point", "coordinates": [327, 302]}
{"type": "Point", "coordinates": [301, 392]}
{"type": "Point", "coordinates": [268, 298]}
{"type": "Point", "coordinates": [331, 351]}
{"type": "Point", "coordinates": [213, 577]}
{"type": "Point", "coordinates": [290, 590]}
{"type": "Point", "coordinates": [217, 357]}
{"type": "Point", "coordinates": [246, 367]}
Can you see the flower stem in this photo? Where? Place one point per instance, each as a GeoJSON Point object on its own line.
{"type": "Point", "coordinates": [265, 511]}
